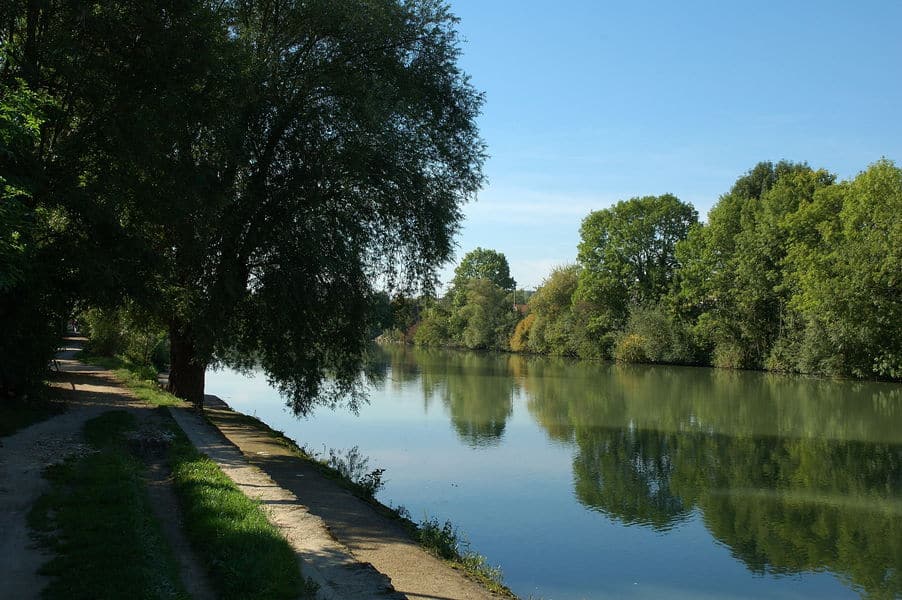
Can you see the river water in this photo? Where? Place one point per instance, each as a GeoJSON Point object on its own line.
{"type": "Point", "coordinates": [592, 480]}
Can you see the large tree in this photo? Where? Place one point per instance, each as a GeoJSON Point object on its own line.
{"type": "Point", "coordinates": [270, 162]}
{"type": "Point", "coordinates": [627, 255]}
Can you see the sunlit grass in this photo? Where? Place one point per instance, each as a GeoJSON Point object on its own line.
{"type": "Point", "coordinates": [247, 556]}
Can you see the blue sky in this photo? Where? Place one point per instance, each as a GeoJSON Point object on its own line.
{"type": "Point", "coordinates": [591, 102]}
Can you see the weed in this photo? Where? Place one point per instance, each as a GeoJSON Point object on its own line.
{"type": "Point", "coordinates": [446, 542]}
{"type": "Point", "coordinates": [352, 465]}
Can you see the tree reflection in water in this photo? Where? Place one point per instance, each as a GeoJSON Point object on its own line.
{"type": "Point", "coordinates": [792, 474]}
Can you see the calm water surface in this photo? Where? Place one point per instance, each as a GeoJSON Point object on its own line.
{"type": "Point", "coordinates": [587, 480]}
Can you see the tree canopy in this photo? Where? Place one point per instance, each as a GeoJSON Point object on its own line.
{"type": "Point", "coordinates": [262, 164]}
{"type": "Point", "coordinates": [483, 263]}
{"type": "Point", "coordinates": [627, 255]}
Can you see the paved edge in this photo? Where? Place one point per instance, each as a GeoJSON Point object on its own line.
{"type": "Point", "coordinates": [330, 564]}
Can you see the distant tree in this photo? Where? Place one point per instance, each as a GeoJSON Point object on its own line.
{"type": "Point", "coordinates": [555, 329]}
{"type": "Point", "coordinates": [486, 316]}
{"type": "Point", "coordinates": [627, 256]}
{"type": "Point", "coordinates": [731, 281]}
{"type": "Point", "coordinates": [482, 263]}
{"type": "Point", "coordinates": [847, 274]}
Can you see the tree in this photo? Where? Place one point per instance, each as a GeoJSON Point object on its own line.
{"type": "Point", "coordinates": [483, 263]}
{"type": "Point", "coordinates": [267, 162]}
{"type": "Point", "coordinates": [33, 282]}
{"type": "Point", "coordinates": [486, 317]}
{"type": "Point", "coordinates": [627, 255]}
{"type": "Point", "coordinates": [555, 329]}
{"type": "Point", "coordinates": [846, 276]}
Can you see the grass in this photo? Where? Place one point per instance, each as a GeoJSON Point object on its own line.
{"type": "Point", "coordinates": [445, 542]}
{"type": "Point", "coordinates": [97, 520]}
{"type": "Point", "coordinates": [247, 556]}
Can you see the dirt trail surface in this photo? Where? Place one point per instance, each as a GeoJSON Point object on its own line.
{"type": "Point", "coordinates": [336, 526]}
{"type": "Point", "coordinates": [88, 392]}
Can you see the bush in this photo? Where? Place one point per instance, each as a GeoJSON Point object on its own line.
{"type": "Point", "coordinates": [126, 331]}
{"type": "Point", "coordinates": [103, 328]}
{"type": "Point", "coordinates": [630, 348]}
{"type": "Point", "coordinates": [519, 341]}
{"type": "Point", "coordinates": [653, 335]}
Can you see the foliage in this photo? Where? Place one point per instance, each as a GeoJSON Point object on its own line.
{"type": "Point", "coordinates": [654, 335]}
{"type": "Point", "coordinates": [98, 521]}
{"type": "Point", "coordinates": [519, 341]}
{"type": "Point", "coordinates": [846, 271]}
{"type": "Point", "coordinates": [352, 465]}
{"type": "Point", "coordinates": [127, 330]}
{"type": "Point", "coordinates": [478, 312]}
{"type": "Point", "coordinates": [296, 154]}
{"type": "Point", "coordinates": [434, 329]}
{"type": "Point", "coordinates": [731, 281]}
{"type": "Point", "coordinates": [627, 256]}
{"type": "Point", "coordinates": [557, 327]}
{"type": "Point", "coordinates": [445, 542]}
{"type": "Point", "coordinates": [485, 317]}
{"type": "Point", "coordinates": [483, 263]}
{"type": "Point", "coordinates": [33, 279]}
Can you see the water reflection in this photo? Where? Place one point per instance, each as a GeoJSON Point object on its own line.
{"type": "Point", "coordinates": [477, 390]}
{"type": "Point", "coordinates": [792, 474]}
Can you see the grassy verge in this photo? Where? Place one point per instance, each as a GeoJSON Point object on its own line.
{"type": "Point", "coordinates": [97, 520]}
{"type": "Point", "coordinates": [443, 541]}
{"type": "Point", "coordinates": [246, 555]}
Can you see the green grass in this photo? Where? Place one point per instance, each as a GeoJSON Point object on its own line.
{"type": "Point", "coordinates": [97, 520]}
{"type": "Point", "coordinates": [16, 414]}
{"type": "Point", "coordinates": [246, 555]}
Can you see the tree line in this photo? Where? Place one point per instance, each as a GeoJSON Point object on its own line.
{"type": "Point", "coordinates": [793, 271]}
{"type": "Point", "coordinates": [235, 174]}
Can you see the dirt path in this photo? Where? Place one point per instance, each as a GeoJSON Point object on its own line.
{"type": "Point", "coordinates": [356, 528]}
{"type": "Point", "coordinates": [88, 392]}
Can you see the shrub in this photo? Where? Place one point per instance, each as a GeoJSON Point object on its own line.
{"type": "Point", "coordinates": [630, 348]}
{"type": "Point", "coordinates": [519, 341]}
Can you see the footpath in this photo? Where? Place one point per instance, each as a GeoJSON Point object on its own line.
{"type": "Point", "coordinates": [342, 543]}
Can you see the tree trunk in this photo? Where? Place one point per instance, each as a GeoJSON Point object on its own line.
{"type": "Point", "coordinates": [186, 371]}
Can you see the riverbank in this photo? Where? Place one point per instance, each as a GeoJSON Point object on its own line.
{"type": "Point", "coordinates": [340, 542]}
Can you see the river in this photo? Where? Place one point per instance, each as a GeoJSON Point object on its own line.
{"type": "Point", "coordinates": [593, 480]}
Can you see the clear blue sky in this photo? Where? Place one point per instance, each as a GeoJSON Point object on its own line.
{"type": "Point", "coordinates": [590, 102]}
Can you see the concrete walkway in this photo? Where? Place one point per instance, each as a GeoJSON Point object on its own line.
{"type": "Point", "coordinates": [335, 527]}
